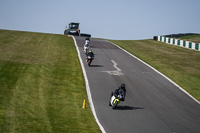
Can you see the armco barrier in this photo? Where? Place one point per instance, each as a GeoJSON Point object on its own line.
{"type": "Point", "coordinates": [181, 43]}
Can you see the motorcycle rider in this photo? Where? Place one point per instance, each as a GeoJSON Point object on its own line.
{"type": "Point", "coordinates": [90, 54]}
{"type": "Point", "coordinates": [86, 46]}
{"type": "Point", "coordinates": [87, 40]}
{"type": "Point", "coordinates": [120, 91]}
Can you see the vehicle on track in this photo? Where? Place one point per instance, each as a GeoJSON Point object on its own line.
{"type": "Point", "coordinates": [73, 29]}
{"type": "Point", "coordinates": [117, 96]}
{"type": "Point", "coordinates": [86, 46]}
{"type": "Point", "coordinates": [89, 57]}
{"type": "Point", "coordinates": [115, 100]}
{"type": "Point", "coordinates": [89, 60]}
{"type": "Point", "coordinates": [86, 49]}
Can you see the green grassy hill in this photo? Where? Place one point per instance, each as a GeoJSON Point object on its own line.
{"type": "Point", "coordinates": [192, 38]}
{"type": "Point", "coordinates": [41, 85]}
{"type": "Point", "coordinates": [179, 64]}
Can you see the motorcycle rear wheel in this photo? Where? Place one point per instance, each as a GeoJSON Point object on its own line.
{"type": "Point", "coordinates": [89, 62]}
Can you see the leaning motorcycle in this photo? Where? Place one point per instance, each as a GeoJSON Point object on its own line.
{"type": "Point", "coordinates": [114, 101]}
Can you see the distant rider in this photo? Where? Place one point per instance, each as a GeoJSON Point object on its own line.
{"type": "Point", "coordinates": [121, 91]}
{"type": "Point", "coordinates": [86, 46]}
{"type": "Point", "coordinates": [87, 41]}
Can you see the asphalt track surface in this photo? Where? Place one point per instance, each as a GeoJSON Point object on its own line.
{"type": "Point", "coordinates": [153, 104]}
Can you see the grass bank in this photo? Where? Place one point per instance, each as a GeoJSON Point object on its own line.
{"type": "Point", "coordinates": [42, 85]}
{"type": "Point", "coordinates": [179, 64]}
{"type": "Point", "coordinates": [192, 38]}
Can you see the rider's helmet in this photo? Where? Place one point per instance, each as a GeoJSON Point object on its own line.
{"type": "Point", "coordinates": [90, 51]}
{"type": "Point", "coordinates": [123, 86]}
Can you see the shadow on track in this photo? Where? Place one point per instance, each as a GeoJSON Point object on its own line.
{"type": "Point", "coordinates": [96, 66]}
{"type": "Point", "coordinates": [127, 108]}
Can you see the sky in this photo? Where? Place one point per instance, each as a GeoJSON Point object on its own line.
{"type": "Point", "coordinates": [109, 19]}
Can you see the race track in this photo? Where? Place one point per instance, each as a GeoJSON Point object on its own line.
{"type": "Point", "coordinates": [153, 104]}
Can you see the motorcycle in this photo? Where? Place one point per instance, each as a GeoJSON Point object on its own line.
{"type": "Point", "coordinates": [86, 46]}
{"type": "Point", "coordinates": [86, 49]}
{"type": "Point", "coordinates": [115, 100]}
{"type": "Point", "coordinates": [89, 60]}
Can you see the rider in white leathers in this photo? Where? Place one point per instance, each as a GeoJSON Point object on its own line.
{"type": "Point", "coordinates": [86, 46]}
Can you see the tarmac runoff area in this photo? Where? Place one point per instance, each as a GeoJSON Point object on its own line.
{"type": "Point", "coordinates": [153, 103]}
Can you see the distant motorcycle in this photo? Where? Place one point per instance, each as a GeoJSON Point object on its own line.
{"type": "Point", "coordinates": [86, 46]}
{"type": "Point", "coordinates": [86, 49]}
{"type": "Point", "coordinates": [115, 100]}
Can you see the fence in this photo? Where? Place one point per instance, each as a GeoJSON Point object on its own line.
{"type": "Point", "coordinates": [182, 43]}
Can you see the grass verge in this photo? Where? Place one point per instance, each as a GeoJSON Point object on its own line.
{"type": "Point", "coordinates": [42, 85]}
{"type": "Point", "coordinates": [192, 38]}
{"type": "Point", "coordinates": [179, 64]}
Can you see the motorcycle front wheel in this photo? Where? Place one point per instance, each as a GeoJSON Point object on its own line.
{"type": "Point", "coordinates": [115, 105]}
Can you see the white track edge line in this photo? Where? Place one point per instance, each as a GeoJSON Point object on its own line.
{"type": "Point", "coordinates": [157, 72]}
{"type": "Point", "coordinates": [88, 88]}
